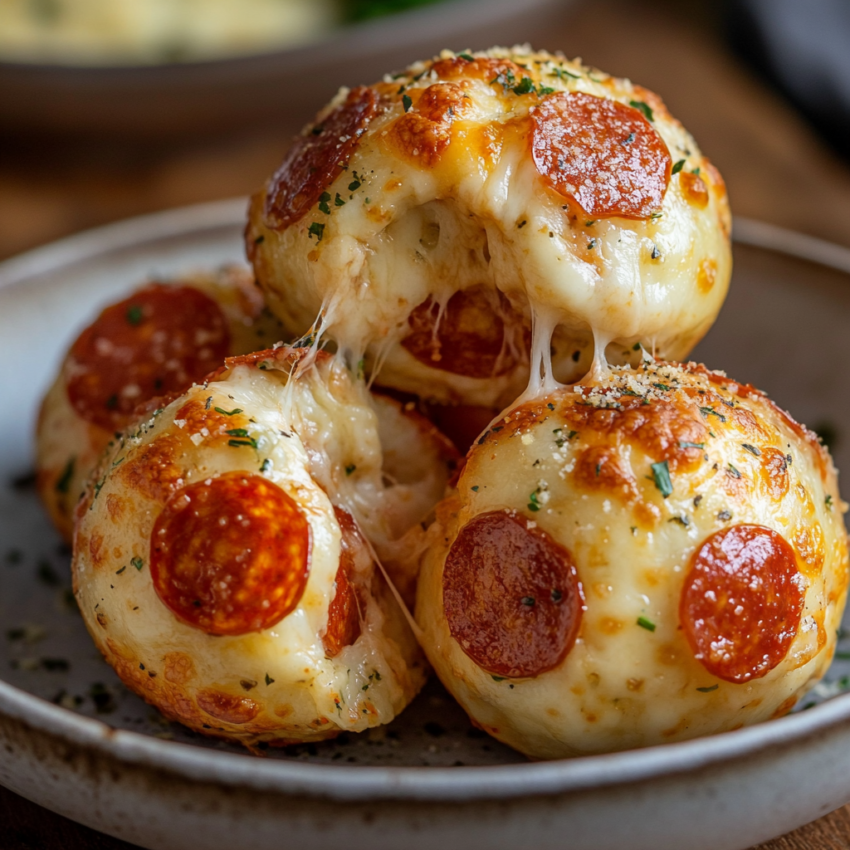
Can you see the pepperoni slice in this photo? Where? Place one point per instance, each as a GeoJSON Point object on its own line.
{"type": "Point", "coordinates": [316, 159]}
{"type": "Point", "coordinates": [158, 341]}
{"type": "Point", "coordinates": [230, 555]}
{"type": "Point", "coordinates": [511, 595]}
{"type": "Point", "coordinates": [742, 602]}
{"type": "Point", "coordinates": [343, 627]}
{"type": "Point", "coordinates": [601, 153]}
{"type": "Point", "coordinates": [469, 338]}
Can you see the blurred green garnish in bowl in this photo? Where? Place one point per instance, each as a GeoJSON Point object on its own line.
{"type": "Point", "coordinates": [132, 32]}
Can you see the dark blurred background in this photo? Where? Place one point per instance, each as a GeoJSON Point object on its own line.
{"type": "Point", "coordinates": [764, 86]}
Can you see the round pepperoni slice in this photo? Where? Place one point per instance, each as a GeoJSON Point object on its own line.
{"type": "Point", "coordinates": [469, 338]}
{"type": "Point", "coordinates": [511, 596]}
{"type": "Point", "coordinates": [343, 627]}
{"type": "Point", "coordinates": [742, 602]}
{"type": "Point", "coordinates": [156, 342]}
{"type": "Point", "coordinates": [601, 153]}
{"type": "Point", "coordinates": [315, 160]}
{"type": "Point", "coordinates": [230, 555]}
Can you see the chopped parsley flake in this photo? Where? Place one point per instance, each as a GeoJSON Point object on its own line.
{"type": "Point", "coordinates": [733, 472]}
{"type": "Point", "coordinates": [266, 465]}
{"type": "Point", "coordinates": [134, 315]}
{"type": "Point", "coordinates": [64, 481]}
{"type": "Point", "coordinates": [338, 201]}
{"type": "Point", "coordinates": [525, 86]}
{"type": "Point", "coordinates": [686, 445]}
{"type": "Point", "coordinates": [644, 108]}
{"type": "Point", "coordinates": [228, 412]}
{"type": "Point", "coordinates": [661, 475]}
{"type": "Point", "coordinates": [710, 411]}
{"type": "Point", "coordinates": [323, 203]}
{"type": "Point", "coordinates": [497, 678]}
{"type": "Point", "coordinates": [350, 468]}
{"type": "Point", "coordinates": [751, 449]}
{"type": "Point", "coordinates": [474, 488]}
{"type": "Point", "coordinates": [708, 689]}
{"type": "Point", "coordinates": [259, 240]}
{"type": "Point", "coordinates": [592, 244]}
{"type": "Point", "coordinates": [646, 624]}
{"type": "Point", "coordinates": [316, 229]}
{"type": "Point", "coordinates": [828, 502]}
{"type": "Point", "coordinates": [724, 516]}
{"type": "Point", "coordinates": [563, 73]}
{"type": "Point", "coordinates": [407, 102]}
{"type": "Point", "coordinates": [677, 167]}
{"type": "Point", "coordinates": [137, 562]}
{"type": "Point", "coordinates": [533, 504]}
{"type": "Point", "coordinates": [466, 56]}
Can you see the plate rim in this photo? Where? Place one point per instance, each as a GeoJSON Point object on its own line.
{"type": "Point", "coordinates": [410, 783]}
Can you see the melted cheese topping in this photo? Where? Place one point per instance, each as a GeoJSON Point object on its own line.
{"type": "Point", "coordinates": [68, 445]}
{"type": "Point", "coordinates": [631, 475]}
{"type": "Point", "coordinates": [440, 192]}
{"type": "Point", "coordinates": [316, 437]}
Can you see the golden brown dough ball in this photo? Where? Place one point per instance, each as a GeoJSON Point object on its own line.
{"type": "Point", "coordinates": [156, 341]}
{"type": "Point", "coordinates": [221, 560]}
{"type": "Point", "coordinates": [653, 556]}
{"type": "Point", "coordinates": [452, 219]}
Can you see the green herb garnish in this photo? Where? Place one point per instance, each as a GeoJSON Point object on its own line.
{"type": "Point", "coordinates": [646, 624]}
{"type": "Point", "coordinates": [228, 412]}
{"type": "Point", "coordinates": [677, 167]}
{"type": "Point", "coordinates": [661, 475]}
{"type": "Point", "coordinates": [644, 108]}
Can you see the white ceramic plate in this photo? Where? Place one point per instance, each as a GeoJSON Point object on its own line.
{"type": "Point", "coordinates": [74, 740]}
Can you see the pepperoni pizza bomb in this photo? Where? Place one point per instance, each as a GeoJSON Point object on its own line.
{"type": "Point", "coordinates": [158, 340]}
{"type": "Point", "coordinates": [652, 557]}
{"type": "Point", "coordinates": [453, 218]}
{"type": "Point", "coordinates": [221, 561]}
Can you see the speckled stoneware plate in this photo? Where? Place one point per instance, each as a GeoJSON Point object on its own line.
{"type": "Point", "coordinates": [74, 740]}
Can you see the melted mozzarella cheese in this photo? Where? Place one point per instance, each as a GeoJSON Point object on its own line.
{"type": "Point", "coordinates": [314, 435]}
{"type": "Point", "coordinates": [578, 466]}
{"type": "Point", "coordinates": [400, 229]}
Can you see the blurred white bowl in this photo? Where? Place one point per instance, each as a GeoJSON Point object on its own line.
{"type": "Point", "coordinates": [282, 88]}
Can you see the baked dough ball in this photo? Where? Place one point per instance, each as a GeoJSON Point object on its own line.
{"type": "Point", "coordinates": [158, 340]}
{"type": "Point", "coordinates": [443, 218]}
{"type": "Point", "coordinates": [654, 557]}
{"type": "Point", "coordinates": [220, 561]}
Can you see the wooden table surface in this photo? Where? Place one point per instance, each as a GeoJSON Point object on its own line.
{"type": "Point", "coordinates": [775, 168]}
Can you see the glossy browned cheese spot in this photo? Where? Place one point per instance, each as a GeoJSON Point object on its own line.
{"type": "Point", "coordinates": [227, 707]}
{"type": "Point", "coordinates": [160, 340]}
{"type": "Point", "coordinates": [232, 555]}
{"type": "Point", "coordinates": [424, 133]}
{"type": "Point", "coordinates": [482, 69]}
{"type": "Point", "coordinates": [810, 545]}
{"type": "Point", "coordinates": [694, 189]}
{"type": "Point", "coordinates": [741, 602]}
{"type": "Point", "coordinates": [153, 470]}
{"type": "Point", "coordinates": [663, 430]}
{"type": "Point", "coordinates": [511, 595]}
{"type": "Point", "coordinates": [774, 472]}
{"type": "Point", "coordinates": [343, 627]}
{"type": "Point", "coordinates": [470, 338]}
{"type": "Point", "coordinates": [316, 159]}
{"type": "Point", "coordinates": [604, 155]}
{"type": "Point", "coordinates": [706, 276]}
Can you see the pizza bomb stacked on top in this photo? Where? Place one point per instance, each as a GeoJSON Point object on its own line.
{"type": "Point", "coordinates": [634, 551]}
{"type": "Point", "coordinates": [460, 223]}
